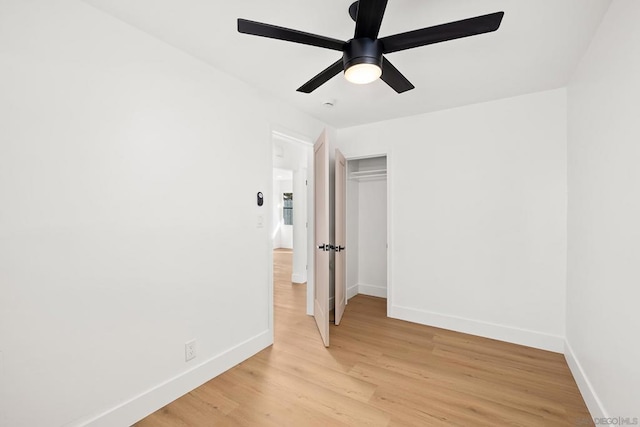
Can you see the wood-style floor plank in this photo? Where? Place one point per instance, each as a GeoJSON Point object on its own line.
{"type": "Point", "coordinates": [381, 372]}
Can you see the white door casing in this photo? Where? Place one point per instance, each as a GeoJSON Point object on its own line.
{"type": "Point", "coordinates": [340, 235]}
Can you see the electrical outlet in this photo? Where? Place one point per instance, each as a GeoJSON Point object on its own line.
{"type": "Point", "coordinates": [190, 350]}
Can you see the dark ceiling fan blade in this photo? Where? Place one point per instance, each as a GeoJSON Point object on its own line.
{"type": "Point", "coordinates": [440, 33]}
{"type": "Point", "coordinates": [370, 13]}
{"type": "Point", "coordinates": [287, 34]}
{"type": "Point", "coordinates": [323, 77]}
{"type": "Point", "coordinates": [394, 78]}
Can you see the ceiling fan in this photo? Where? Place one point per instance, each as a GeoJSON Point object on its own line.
{"type": "Point", "coordinates": [362, 56]}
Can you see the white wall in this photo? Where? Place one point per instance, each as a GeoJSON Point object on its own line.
{"type": "Point", "coordinates": [128, 181]}
{"type": "Point", "coordinates": [603, 216]}
{"type": "Point", "coordinates": [478, 216]}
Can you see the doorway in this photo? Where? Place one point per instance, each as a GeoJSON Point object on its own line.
{"type": "Point", "coordinates": [368, 246]}
{"type": "Point", "coordinates": [367, 227]}
{"type": "Point", "coordinates": [289, 206]}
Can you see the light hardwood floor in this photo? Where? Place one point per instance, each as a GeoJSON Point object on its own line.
{"type": "Point", "coordinates": [379, 371]}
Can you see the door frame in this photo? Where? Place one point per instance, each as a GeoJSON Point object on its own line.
{"type": "Point", "coordinates": [340, 165]}
{"type": "Point", "coordinates": [358, 156]}
{"type": "Point", "coordinates": [281, 133]}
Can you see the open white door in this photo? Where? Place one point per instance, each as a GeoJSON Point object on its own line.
{"type": "Point", "coordinates": [341, 236]}
{"type": "Point", "coordinates": [321, 236]}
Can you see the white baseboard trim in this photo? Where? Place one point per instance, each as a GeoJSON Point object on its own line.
{"type": "Point", "coordinates": [138, 407]}
{"type": "Point", "coordinates": [352, 291]}
{"type": "Point", "coordinates": [484, 329]}
{"type": "Point", "coordinates": [299, 277]}
{"type": "Point", "coordinates": [596, 409]}
{"type": "Point", "coordinates": [372, 290]}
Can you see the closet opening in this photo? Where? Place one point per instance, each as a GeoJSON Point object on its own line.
{"type": "Point", "coordinates": [366, 227]}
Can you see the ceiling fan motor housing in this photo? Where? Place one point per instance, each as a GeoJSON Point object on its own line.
{"type": "Point", "coordinates": [362, 51]}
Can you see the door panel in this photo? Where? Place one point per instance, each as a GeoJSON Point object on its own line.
{"type": "Point", "coordinates": [321, 236]}
{"type": "Point", "coordinates": [341, 236]}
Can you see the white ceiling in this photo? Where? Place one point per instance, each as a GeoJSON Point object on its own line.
{"type": "Point", "coordinates": [537, 48]}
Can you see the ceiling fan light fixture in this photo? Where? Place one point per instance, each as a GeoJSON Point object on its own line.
{"type": "Point", "coordinates": [362, 74]}
{"type": "Point", "coordinates": [362, 60]}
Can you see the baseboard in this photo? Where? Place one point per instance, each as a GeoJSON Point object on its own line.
{"type": "Point", "coordinates": [596, 409]}
{"type": "Point", "coordinates": [299, 278]}
{"type": "Point", "coordinates": [133, 410]}
{"type": "Point", "coordinates": [484, 329]}
{"type": "Point", "coordinates": [372, 290]}
{"type": "Point", "coordinates": [352, 291]}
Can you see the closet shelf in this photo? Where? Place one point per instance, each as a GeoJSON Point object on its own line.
{"type": "Point", "coordinates": [367, 174]}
